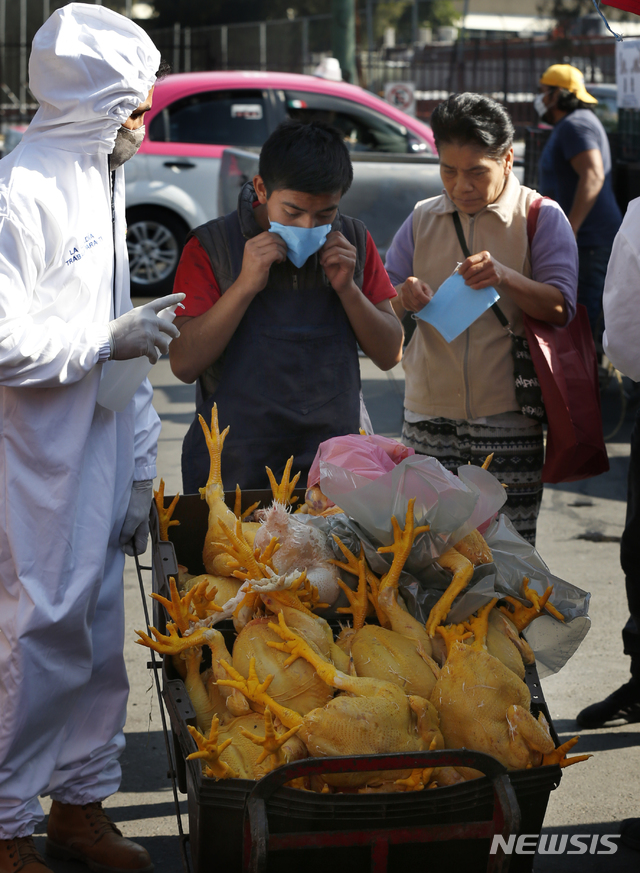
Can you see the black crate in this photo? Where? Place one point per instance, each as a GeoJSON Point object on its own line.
{"type": "Point", "coordinates": [216, 809]}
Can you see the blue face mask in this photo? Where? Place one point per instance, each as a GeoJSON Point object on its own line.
{"type": "Point", "coordinates": [302, 242]}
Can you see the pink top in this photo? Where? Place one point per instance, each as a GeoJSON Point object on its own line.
{"type": "Point", "coordinates": [181, 85]}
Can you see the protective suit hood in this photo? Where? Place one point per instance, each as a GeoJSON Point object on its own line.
{"type": "Point", "coordinates": [90, 68]}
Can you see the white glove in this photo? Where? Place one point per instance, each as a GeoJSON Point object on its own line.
{"type": "Point", "coordinates": [135, 529]}
{"type": "Point", "coordinates": [141, 332]}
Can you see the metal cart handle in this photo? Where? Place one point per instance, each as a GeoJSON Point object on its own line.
{"type": "Point", "coordinates": [258, 842]}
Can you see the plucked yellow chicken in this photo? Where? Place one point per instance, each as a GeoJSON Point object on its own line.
{"type": "Point", "coordinates": [505, 643]}
{"type": "Point", "coordinates": [216, 561]}
{"type": "Point", "coordinates": [226, 587]}
{"type": "Point", "coordinates": [246, 747]}
{"type": "Point", "coordinates": [208, 700]}
{"type": "Point", "coordinates": [484, 706]}
{"type": "Point", "coordinates": [301, 547]}
{"type": "Point", "coordinates": [296, 686]}
{"type": "Point", "coordinates": [372, 717]}
{"type": "Point", "coordinates": [401, 652]}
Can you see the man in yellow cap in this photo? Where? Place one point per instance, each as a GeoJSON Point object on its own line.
{"type": "Point", "coordinates": [575, 169]}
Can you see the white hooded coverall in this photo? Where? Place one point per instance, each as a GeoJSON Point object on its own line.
{"type": "Point", "coordinates": [66, 464]}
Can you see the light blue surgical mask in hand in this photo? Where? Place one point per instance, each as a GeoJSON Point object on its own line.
{"type": "Point", "coordinates": [302, 242]}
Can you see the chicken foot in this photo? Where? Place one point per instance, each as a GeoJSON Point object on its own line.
{"type": "Point", "coordinates": [559, 755]}
{"type": "Point", "coordinates": [164, 515]}
{"type": "Point", "coordinates": [237, 506]}
{"type": "Point", "coordinates": [462, 570]}
{"type": "Point", "coordinates": [352, 565]}
{"type": "Point", "coordinates": [400, 548]}
{"type": "Point", "coordinates": [271, 742]}
{"type": "Point", "coordinates": [209, 751]}
{"type": "Point", "coordinates": [256, 692]}
{"type": "Point", "coordinates": [282, 491]}
{"type": "Point", "coordinates": [522, 616]}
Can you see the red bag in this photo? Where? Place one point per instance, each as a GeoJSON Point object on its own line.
{"type": "Point", "coordinates": [627, 5]}
{"type": "Point", "coordinates": [567, 368]}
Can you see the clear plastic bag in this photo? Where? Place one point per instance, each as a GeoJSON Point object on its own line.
{"type": "Point", "coordinates": [453, 506]}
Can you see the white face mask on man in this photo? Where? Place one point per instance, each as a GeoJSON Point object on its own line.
{"type": "Point", "coordinates": [126, 145]}
{"type": "Point", "coordinates": [539, 105]}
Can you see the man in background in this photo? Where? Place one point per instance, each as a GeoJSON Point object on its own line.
{"type": "Point", "coordinates": [575, 170]}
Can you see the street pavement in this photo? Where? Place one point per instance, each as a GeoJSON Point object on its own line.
{"type": "Point", "coordinates": [578, 536]}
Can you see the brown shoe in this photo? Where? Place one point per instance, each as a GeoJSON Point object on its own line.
{"type": "Point", "coordinates": [87, 834]}
{"type": "Point", "coordinates": [19, 856]}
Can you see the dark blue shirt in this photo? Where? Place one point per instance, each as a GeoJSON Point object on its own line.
{"type": "Point", "coordinates": [578, 132]}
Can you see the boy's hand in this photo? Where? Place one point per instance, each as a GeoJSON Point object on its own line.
{"type": "Point", "coordinates": [338, 260]}
{"type": "Point", "coordinates": [414, 294]}
{"type": "Point", "coordinates": [259, 253]}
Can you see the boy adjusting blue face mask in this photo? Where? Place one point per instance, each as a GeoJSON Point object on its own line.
{"type": "Point", "coordinates": [302, 242]}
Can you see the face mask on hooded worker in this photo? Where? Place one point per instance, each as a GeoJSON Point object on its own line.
{"type": "Point", "coordinates": [302, 242]}
{"type": "Point", "coordinates": [126, 145]}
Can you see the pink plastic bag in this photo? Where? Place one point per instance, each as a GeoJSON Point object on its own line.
{"type": "Point", "coordinates": [368, 455]}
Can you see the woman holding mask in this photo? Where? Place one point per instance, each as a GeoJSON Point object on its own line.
{"type": "Point", "coordinates": [460, 402]}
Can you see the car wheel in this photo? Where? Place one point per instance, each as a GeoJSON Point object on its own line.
{"type": "Point", "coordinates": [155, 238]}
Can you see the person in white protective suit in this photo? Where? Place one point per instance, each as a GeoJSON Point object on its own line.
{"type": "Point", "coordinates": [75, 478]}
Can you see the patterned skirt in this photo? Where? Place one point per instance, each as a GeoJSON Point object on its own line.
{"type": "Point", "coordinates": [517, 463]}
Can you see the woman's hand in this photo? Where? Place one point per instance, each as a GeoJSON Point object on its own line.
{"type": "Point", "coordinates": [414, 294]}
{"type": "Point", "coordinates": [536, 299]}
{"type": "Point", "coordinates": [481, 271]}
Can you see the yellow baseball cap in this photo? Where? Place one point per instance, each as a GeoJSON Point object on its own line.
{"type": "Point", "coordinates": [569, 77]}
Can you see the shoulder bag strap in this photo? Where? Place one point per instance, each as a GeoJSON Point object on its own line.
{"type": "Point", "coordinates": [502, 318]}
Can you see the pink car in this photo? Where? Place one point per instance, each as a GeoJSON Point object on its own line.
{"type": "Point", "coordinates": [181, 176]}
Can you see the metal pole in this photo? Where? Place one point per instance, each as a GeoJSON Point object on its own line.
{"type": "Point", "coordinates": [23, 56]}
{"type": "Point", "coordinates": [263, 45]}
{"type": "Point", "coordinates": [414, 22]}
{"type": "Point", "coordinates": [224, 46]}
{"type": "Point", "coordinates": [505, 70]}
{"type": "Point", "coordinates": [369, 26]}
{"type": "Point", "coordinates": [176, 47]}
{"type": "Point", "coordinates": [46, 10]}
{"type": "Point", "coordinates": [460, 47]}
{"type": "Point", "coordinates": [127, 8]}
{"type": "Point", "coordinates": [343, 38]}
{"type": "Point", "coordinates": [305, 44]}
{"type": "Point", "coordinates": [461, 32]}
{"type": "Point", "coordinates": [187, 49]}
{"type": "Point", "coordinates": [369, 13]}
